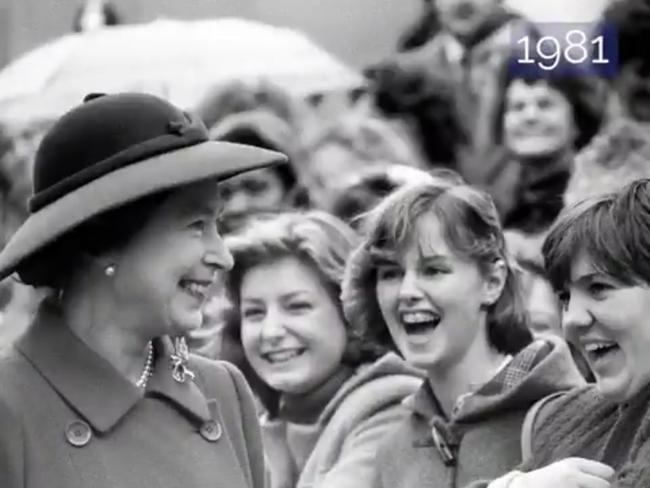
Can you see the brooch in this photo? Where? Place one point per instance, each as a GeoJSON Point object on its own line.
{"type": "Point", "coordinates": [180, 358]}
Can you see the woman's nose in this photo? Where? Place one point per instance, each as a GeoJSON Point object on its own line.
{"type": "Point", "coordinates": [530, 112]}
{"type": "Point", "coordinates": [576, 316]}
{"type": "Point", "coordinates": [409, 291]}
{"type": "Point", "coordinates": [217, 254]}
{"type": "Point", "coordinates": [272, 329]}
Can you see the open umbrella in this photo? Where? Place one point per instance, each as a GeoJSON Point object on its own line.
{"type": "Point", "coordinates": [179, 60]}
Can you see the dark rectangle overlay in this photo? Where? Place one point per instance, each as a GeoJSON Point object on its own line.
{"type": "Point", "coordinates": [564, 49]}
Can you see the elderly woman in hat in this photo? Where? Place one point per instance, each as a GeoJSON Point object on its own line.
{"type": "Point", "coordinates": [101, 391]}
{"type": "Point", "coordinates": [432, 277]}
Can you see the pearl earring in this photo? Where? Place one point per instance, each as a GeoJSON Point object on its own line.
{"type": "Point", "coordinates": [110, 270]}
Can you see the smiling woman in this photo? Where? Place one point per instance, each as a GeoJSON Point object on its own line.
{"type": "Point", "coordinates": [334, 396]}
{"type": "Point", "coordinates": [543, 121]}
{"type": "Point", "coordinates": [123, 234]}
{"type": "Point", "coordinates": [597, 257]}
{"type": "Point", "coordinates": [432, 277]}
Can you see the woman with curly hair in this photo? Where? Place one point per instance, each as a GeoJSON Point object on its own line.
{"type": "Point", "coordinates": [328, 396]}
{"type": "Point", "coordinates": [432, 280]}
{"type": "Point", "coordinates": [542, 122]}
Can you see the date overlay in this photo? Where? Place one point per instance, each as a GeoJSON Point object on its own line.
{"type": "Point", "coordinates": [564, 49]}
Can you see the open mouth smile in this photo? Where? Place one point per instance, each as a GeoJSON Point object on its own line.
{"type": "Point", "coordinates": [599, 351]}
{"type": "Point", "coordinates": [196, 288]}
{"type": "Point", "coordinates": [419, 322]}
{"type": "Point", "coordinates": [282, 355]}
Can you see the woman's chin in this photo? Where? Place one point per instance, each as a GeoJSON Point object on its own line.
{"type": "Point", "coordinates": [186, 321]}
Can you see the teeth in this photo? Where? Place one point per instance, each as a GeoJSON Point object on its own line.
{"type": "Point", "coordinates": [418, 317]}
{"type": "Point", "coordinates": [598, 346]}
{"type": "Point", "coordinates": [276, 357]}
{"type": "Point", "coordinates": [196, 288]}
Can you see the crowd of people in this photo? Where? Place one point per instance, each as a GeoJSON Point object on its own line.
{"type": "Point", "coordinates": [441, 285]}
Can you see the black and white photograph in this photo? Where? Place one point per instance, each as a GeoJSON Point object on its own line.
{"type": "Point", "coordinates": [324, 244]}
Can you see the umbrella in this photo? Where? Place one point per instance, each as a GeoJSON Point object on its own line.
{"type": "Point", "coordinates": [179, 60]}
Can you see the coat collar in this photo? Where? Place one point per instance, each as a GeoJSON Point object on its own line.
{"type": "Point", "coordinates": [90, 384]}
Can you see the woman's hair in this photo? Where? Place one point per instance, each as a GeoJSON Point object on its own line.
{"type": "Point", "coordinates": [630, 20]}
{"type": "Point", "coordinates": [585, 94]}
{"type": "Point", "coordinates": [55, 264]}
{"type": "Point", "coordinates": [612, 231]}
{"type": "Point", "coordinates": [471, 229]}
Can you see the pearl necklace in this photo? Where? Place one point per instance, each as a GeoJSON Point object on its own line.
{"type": "Point", "coordinates": [148, 369]}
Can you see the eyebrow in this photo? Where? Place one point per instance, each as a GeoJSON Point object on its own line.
{"type": "Point", "coordinates": [286, 296]}
{"type": "Point", "coordinates": [588, 277]}
{"type": "Point", "coordinates": [439, 258]}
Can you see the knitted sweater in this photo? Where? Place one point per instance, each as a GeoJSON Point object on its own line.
{"type": "Point", "coordinates": [482, 437]}
{"type": "Point", "coordinates": [338, 448]}
{"type": "Point", "coordinates": [582, 423]}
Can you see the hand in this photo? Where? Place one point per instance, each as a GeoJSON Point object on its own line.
{"type": "Point", "coordinates": [568, 473]}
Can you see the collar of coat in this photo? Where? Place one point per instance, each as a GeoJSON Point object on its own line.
{"type": "Point", "coordinates": [91, 385]}
{"type": "Point", "coordinates": [543, 367]}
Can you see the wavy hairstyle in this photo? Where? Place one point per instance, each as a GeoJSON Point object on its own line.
{"type": "Point", "coordinates": [471, 228]}
{"type": "Point", "coordinates": [318, 239]}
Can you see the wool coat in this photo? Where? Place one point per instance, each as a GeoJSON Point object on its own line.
{"type": "Point", "coordinates": [338, 450]}
{"type": "Point", "coordinates": [481, 438]}
{"type": "Point", "coordinates": [68, 419]}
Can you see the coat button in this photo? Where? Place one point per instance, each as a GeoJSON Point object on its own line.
{"type": "Point", "coordinates": [211, 431]}
{"type": "Point", "coordinates": [78, 433]}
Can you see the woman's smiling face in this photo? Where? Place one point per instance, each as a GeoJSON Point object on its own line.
{"type": "Point", "coordinates": [608, 321]}
{"type": "Point", "coordinates": [164, 274]}
{"type": "Point", "coordinates": [430, 298]}
{"type": "Point", "coordinates": [292, 330]}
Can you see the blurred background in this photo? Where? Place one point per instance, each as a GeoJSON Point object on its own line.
{"type": "Point", "coordinates": [358, 31]}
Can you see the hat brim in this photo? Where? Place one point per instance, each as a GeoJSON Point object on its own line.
{"type": "Point", "coordinates": [191, 164]}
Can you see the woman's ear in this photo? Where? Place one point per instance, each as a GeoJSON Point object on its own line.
{"type": "Point", "coordinates": [495, 280]}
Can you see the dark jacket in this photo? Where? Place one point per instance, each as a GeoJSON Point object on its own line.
{"type": "Point", "coordinates": [482, 438]}
{"type": "Point", "coordinates": [69, 420]}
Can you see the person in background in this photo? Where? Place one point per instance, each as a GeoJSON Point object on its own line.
{"type": "Point", "coordinates": [469, 53]}
{"type": "Point", "coordinates": [619, 153]}
{"type": "Point", "coordinates": [542, 304]}
{"type": "Point", "coordinates": [328, 394]}
{"type": "Point", "coordinates": [122, 237]}
{"type": "Point", "coordinates": [543, 122]}
{"type": "Point", "coordinates": [630, 87]}
{"type": "Point", "coordinates": [423, 102]}
{"type": "Point", "coordinates": [597, 436]}
{"type": "Point", "coordinates": [355, 201]}
{"type": "Point", "coordinates": [422, 30]}
{"type": "Point", "coordinates": [350, 146]}
{"type": "Point", "coordinates": [432, 277]}
{"type": "Point", "coordinates": [540, 299]}
{"type": "Point", "coordinates": [615, 158]}
{"type": "Point", "coordinates": [266, 190]}
{"type": "Point", "coordinates": [240, 96]}
{"type": "Point", "coordinates": [370, 188]}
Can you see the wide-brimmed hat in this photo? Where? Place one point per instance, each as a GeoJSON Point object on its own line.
{"type": "Point", "coordinates": [112, 150]}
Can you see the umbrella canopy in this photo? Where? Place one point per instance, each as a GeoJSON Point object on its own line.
{"type": "Point", "coordinates": [179, 60]}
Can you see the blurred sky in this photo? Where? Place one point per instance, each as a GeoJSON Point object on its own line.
{"type": "Point", "coordinates": [550, 10]}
